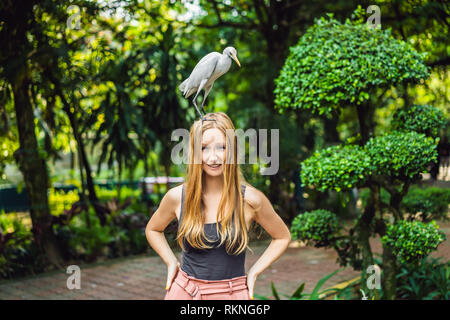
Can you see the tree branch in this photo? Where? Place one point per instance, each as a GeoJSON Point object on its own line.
{"type": "Point", "coordinates": [239, 11]}
{"type": "Point", "coordinates": [222, 23]}
{"type": "Point", "coordinates": [259, 13]}
{"type": "Point", "coordinates": [216, 9]}
{"type": "Point", "coordinates": [441, 62]}
{"type": "Point", "coordinates": [225, 24]}
{"type": "Point", "coordinates": [291, 5]}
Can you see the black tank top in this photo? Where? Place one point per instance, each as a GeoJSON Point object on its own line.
{"type": "Point", "coordinates": [214, 263]}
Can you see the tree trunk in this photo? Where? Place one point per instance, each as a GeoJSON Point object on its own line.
{"type": "Point", "coordinates": [298, 192]}
{"type": "Point", "coordinates": [92, 195]}
{"type": "Point", "coordinates": [389, 280]}
{"type": "Point", "coordinates": [144, 185]}
{"type": "Point", "coordinates": [330, 129]}
{"type": "Point", "coordinates": [363, 234]}
{"type": "Point", "coordinates": [365, 119]}
{"type": "Point", "coordinates": [34, 171]}
{"type": "Point", "coordinates": [119, 181]}
{"type": "Point", "coordinates": [83, 189]}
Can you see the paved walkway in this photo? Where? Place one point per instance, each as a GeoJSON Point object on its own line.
{"type": "Point", "coordinates": [144, 277]}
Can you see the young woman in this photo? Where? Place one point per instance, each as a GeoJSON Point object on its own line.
{"type": "Point", "coordinates": [215, 208]}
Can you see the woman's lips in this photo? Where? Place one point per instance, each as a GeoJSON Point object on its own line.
{"type": "Point", "coordinates": [214, 167]}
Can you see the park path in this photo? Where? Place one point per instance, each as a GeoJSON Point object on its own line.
{"type": "Point", "coordinates": [143, 277]}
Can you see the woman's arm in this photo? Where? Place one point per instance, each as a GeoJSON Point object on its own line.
{"type": "Point", "coordinates": [266, 216]}
{"type": "Point", "coordinates": [158, 223]}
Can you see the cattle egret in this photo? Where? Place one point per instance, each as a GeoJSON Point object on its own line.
{"type": "Point", "coordinates": [207, 70]}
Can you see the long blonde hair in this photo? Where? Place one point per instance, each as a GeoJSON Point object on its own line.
{"type": "Point", "coordinates": [192, 223]}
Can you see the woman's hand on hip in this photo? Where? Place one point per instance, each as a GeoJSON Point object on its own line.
{"type": "Point", "coordinates": [171, 273]}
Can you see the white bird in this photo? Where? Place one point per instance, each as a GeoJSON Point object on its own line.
{"type": "Point", "coordinates": [207, 70]}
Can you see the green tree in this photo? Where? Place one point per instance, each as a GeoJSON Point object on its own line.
{"type": "Point", "coordinates": [349, 65]}
{"type": "Point", "coordinates": [16, 67]}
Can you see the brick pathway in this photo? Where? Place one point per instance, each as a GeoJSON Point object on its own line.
{"type": "Point", "coordinates": [144, 277]}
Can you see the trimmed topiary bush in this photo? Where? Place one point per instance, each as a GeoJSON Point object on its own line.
{"type": "Point", "coordinates": [318, 226]}
{"type": "Point", "coordinates": [424, 119]}
{"type": "Point", "coordinates": [336, 64]}
{"type": "Point", "coordinates": [336, 168]}
{"type": "Point", "coordinates": [411, 241]}
{"type": "Point", "coordinates": [401, 154]}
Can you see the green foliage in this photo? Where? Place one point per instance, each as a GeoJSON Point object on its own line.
{"type": "Point", "coordinates": [411, 241]}
{"type": "Point", "coordinates": [429, 203]}
{"type": "Point", "coordinates": [424, 119]}
{"type": "Point", "coordinates": [318, 226]}
{"type": "Point", "coordinates": [336, 168]}
{"type": "Point", "coordinates": [124, 234]}
{"type": "Point", "coordinates": [82, 237]}
{"type": "Point", "coordinates": [427, 280]}
{"type": "Point", "coordinates": [125, 192]}
{"type": "Point", "coordinates": [18, 251]}
{"type": "Point", "coordinates": [335, 63]}
{"type": "Point", "coordinates": [424, 203]}
{"type": "Point", "coordinates": [88, 242]}
{"type": "Point", "coordinates": [61, 200]}
{"type": "Point", "coordinates": [128, 228]}
{"type": "Point", "coordinates": [298, 294]}
{"type": "Point", "coordinates": [401, 154]}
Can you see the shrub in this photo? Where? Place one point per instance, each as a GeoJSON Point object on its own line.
{"type": "Point", "coordinates": [336, 168]}
{"type": "Point", "coordinates": [411, 241]}
{"type": "Point", "coordinates": [335, 64]}
{"type": "Point", "coordinates": [129, 231]}
{"type": "Point", "coordinates": [431, 203]}
{"type": "Point", "coordinates": [424, 119]}
{"type": "Point", "coordinates": [428, 280]}
{"type": "Point", "coordinates": [124, 234]}
{"type": "Point", "coordinates": [401, 154]}
{"type": "Point", "coordinates": [125, 192]}
{"type": "Point", "coordinates": [19, 254]}
{"type": "Point", "coordinates": [60, 200]}
{"type": "Point", "coordinates": [88, 243]}
{"type": "Point", "coordinates": [318, 226]}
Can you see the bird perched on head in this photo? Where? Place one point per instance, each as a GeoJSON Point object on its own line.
{"type": "Point", "coordinates": [207, 70]}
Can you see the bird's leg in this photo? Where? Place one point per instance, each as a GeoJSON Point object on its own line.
{"type": "Point", "coordinates": [202, 84]}
{"type": "Point", "coordinates": [203, 108]}
{"type": "Point", "coordinates": [201, 115]}
{"type": "Point", "coordinates": [207, 89]}
{"type": "Point", "coordinates": [195, 105]}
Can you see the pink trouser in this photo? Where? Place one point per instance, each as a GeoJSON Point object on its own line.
{"type": "Point", "coordinates": [185, 287]}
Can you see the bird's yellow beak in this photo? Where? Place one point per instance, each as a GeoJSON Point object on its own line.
{"type": "Point", "coordinates": [237, 61]}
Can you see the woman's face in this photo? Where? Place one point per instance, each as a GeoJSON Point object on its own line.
{"type": "Point", "coordinates": [213, 151]}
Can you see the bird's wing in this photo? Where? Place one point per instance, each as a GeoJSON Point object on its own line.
{"type": "Point", "coordinates": [204, 69]}
{"type": "Point", "coordinates": [207, 57]}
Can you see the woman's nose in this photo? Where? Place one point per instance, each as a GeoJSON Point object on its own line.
{"type": "Point", "coordinates": [213, 156]}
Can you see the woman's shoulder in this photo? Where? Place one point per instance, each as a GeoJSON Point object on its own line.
{"type": "Point", "coordinates": [174, 194]}
{"type": "Point", "coordinates": [253, 196]}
